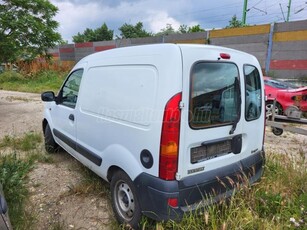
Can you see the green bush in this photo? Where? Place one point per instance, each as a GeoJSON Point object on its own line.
{"type": "Point", "coordinates": [34, 83]}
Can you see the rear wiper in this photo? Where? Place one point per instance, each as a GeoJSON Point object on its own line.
{"type": "Point", "coordinates": [238, 102]}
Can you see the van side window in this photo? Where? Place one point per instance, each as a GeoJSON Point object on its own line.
{"type": "Point", "coordinates": [69, 93]}
{"type": "Point", "coordinates": [252, 92]}
{"type": "Point", "coordinates": [214, 94]}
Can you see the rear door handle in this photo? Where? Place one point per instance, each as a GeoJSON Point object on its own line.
{"type": "Point", "coordinates": [71, 117]}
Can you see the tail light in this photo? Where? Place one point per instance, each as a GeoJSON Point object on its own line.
{"type": "Point", "coordinates": [169, 145]}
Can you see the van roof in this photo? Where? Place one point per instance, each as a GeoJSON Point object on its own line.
{"type": "Point", "coordinates": [152, 49]}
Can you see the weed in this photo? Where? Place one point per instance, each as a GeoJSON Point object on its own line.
{"type": "Point", "coordinates": [25, 143]}
{"type": "Point", "coordinates": [12, 176]}
{"type": "Point", "coordinates": [14, 167]}
{"type": "Point", "coordinates": [90, 182]}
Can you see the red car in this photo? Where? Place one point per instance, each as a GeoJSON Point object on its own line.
{"type": "Point", "coordinates": [285, 94]}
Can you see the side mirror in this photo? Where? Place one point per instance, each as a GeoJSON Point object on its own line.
{"type": "Point", "coordinates": [48, 96]}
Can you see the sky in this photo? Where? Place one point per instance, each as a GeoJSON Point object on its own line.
{"type": "Point", "coordinates": [76, 15]}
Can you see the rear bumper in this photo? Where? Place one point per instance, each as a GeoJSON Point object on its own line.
{"type": "Point", "coordinates": [154, 193]}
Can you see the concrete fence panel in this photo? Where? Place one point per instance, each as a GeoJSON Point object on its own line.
{"type": "Point", "coordinates": [281, 48]}
{"type": "Point", "coordinates": [289, 50]}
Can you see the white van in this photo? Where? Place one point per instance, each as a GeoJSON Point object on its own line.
{"type": "Point", "coordinates": [148, 120]}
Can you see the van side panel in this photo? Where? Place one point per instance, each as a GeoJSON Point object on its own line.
{"type": "Point", "coordinates": [121, 103]}
{"type": "Point", "coordinates": [115, 94]}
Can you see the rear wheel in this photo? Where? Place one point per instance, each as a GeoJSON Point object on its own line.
{"type": "Point", "coordinates": [277, 131]}
{"type": "Point", "coordinates": [124, 201]}
{"type": "Point", "coordinates": [50, 145]}
{"type": "Point", "coordinates": [269, 108]}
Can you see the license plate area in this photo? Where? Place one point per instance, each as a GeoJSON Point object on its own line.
{"type": "Point", "coordinates": [209, 150]}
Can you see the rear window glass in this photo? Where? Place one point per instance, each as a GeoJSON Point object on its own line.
{"type": "Point", "coordinates": [280, 84]}
{"type": "Point", "coordinates": [214, 94]}
{"type": "Point", "coordinates": [252, 92]}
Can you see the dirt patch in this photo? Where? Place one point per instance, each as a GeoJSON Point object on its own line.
{"type": "Point", "coordinates": [52, 201]}
{"type": "Point", "coordinates": [19, 113]}
{"type": "Point", "coordinates": [288, 143]}
{"type": "Point", "coordinates": [55, 201]}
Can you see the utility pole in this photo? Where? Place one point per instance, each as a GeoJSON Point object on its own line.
{"type": "Point", "coordinates": [244, 12]}
{"type": "Point", "coordinates": [289, 7]}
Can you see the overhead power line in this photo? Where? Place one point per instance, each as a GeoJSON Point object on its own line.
{"type": "Point", "coordinates": [282, 12]}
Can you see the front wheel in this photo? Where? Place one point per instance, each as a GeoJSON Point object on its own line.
{"type": "Point", "coordinates": [124, 201]}
{"type": "Point", "coordinates": [50, 145]}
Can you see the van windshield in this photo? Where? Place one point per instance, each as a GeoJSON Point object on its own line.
{"type": "Point", "coordinates": [214, 95]}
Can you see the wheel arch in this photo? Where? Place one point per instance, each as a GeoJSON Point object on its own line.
{"type": "Point", "coordinates": [116, 158]}
{"type": "Point", "coordinates": [112, 170]}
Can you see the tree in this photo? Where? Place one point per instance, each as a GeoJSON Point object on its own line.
{"type": "Point", "coordinates": [183, 29]}
{"type": "Point", "coordinates": [89, 35]}
{"type": "Point", "coordinates": [168, 30]}
{"type": "Point", "coordinates": [27, 29]}
{"type": "Point", "coordinates": [195, 29]}
{"type": "Point", "coordinates": [235, 23]}
{"type": "Point", "coordinates": [131, 31]}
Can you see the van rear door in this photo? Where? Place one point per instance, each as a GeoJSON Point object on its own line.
{"type": "Point", "coordinates": [213, 112]}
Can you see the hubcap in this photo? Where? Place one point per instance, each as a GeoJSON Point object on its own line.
{"type": "Point", "coordinates": [269, 109]}
{"type": "Point", "coordinates": [124, 200]}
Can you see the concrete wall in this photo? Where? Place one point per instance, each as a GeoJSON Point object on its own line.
{"type": "Point", "coordinates": [281, 48]}
{"type": "Point", "coordinates": [252, 40]}
{"type": "Point", "coordinates": [289, 51]}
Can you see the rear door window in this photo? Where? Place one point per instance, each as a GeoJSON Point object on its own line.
{"type": "Point", "coordinates": [252, 92]}
{"type": "Point", "coordinates": [214, 94]}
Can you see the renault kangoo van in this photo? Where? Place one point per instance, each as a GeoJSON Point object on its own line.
{"type": "Point", "coordinates": [171, 127]}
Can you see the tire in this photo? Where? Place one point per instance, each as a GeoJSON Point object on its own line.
{"type": "Point", "coordinates": [124, 200]}
{"type": "Point", "coordinates": [277, 131]}
{"type": "Point", "coordinates": [50, 145]}
{"type": "Point", "coordinates": [269, 108]}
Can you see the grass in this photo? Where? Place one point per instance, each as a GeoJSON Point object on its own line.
{"type": "Point", "coordinates": [28, 142]}
{"type": "Point", "coordinates": [91, 183]}
{"type": "Point", "coordinates": [39, 82]}
{"type": "Point", "coordinates": [13, 172]}
{"type": "Point", "coordinates": [14, 168]}
{"type": "Point", "coordinates": [278, 201]}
